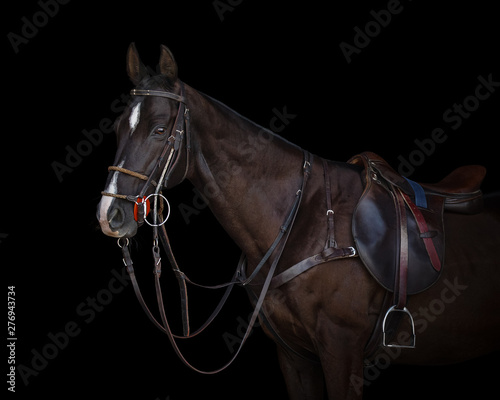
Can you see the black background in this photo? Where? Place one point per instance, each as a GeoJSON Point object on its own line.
{"type": "Point", "coordinates": [257, 56]}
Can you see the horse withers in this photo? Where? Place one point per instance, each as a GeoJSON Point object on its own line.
{"type": "Point", "coordinates": [325, 317]}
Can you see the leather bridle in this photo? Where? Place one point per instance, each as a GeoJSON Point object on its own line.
{"type": "Point", "coordinates": [179, 138]}
{"type": "Point", "coordinates": [171, 153]}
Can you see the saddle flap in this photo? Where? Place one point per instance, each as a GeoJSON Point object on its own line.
{"type": "Point", "coordinates": [376, 228]}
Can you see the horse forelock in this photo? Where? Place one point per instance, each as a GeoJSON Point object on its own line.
{"type": "Point", "coordinates": [157, 82]}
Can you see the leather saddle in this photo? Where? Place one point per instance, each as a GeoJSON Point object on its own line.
{"type": "Point", "coordinates": [395, 215]}
{"type": "Point", "coordinates": [398, 229]}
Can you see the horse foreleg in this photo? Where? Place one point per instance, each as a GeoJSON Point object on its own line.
{"type": "Point", "coordinates": [304, 379]}
{"type": "Point", "coordinates": [342, 362]}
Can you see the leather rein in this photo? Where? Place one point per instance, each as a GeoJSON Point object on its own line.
{"type": "Point", "coordinates": [170, 155]}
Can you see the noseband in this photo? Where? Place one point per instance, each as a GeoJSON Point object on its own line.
{"type": "Point", "coordinates": [171, 152]}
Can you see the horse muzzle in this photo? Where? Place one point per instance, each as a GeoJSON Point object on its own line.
{"type": "Point", "coordinates": [116, 217]}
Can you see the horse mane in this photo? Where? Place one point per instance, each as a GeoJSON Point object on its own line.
{"type": "Point", "coordinates": [256, 126]}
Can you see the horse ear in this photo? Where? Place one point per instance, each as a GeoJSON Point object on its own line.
{"type": "Point", "coordinates": [135, 68]}
{"type": "Point", "coordinates": [168, 66]}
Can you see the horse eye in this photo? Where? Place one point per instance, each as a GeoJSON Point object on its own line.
{"type": "Point", "coordinates": [160, 130]}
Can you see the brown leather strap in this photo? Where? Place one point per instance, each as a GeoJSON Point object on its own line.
{"type": "Point", "coordinates": [285, 228]}
{"type": "Point", "coordinates": [425, 234]}
{"type": "Point", "coordinates": [129, 172]}
{"type": "Point", "coordinates": [330, 240]}
{"type": "Point", "coordinates": [271, 327]}
{"type": "Point", "coordinates": [329, 254]}
{"type": "Point", "coordinates": [158, 93]}
{"type": "Point", "coordinates": [279, 247]}
{"type": "Point", "coordinates": [400, 287]}
{"type": "Point", "coordinates": [181, 279]}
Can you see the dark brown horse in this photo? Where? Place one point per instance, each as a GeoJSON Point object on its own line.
{"type": "Point", "coordinates": [323, 319]}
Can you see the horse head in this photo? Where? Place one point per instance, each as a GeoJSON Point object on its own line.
{"type": "Point", "coordinates": [151, 149]}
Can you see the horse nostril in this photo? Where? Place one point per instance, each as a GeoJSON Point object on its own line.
{"type": "Point", "coordinates": [115, 218]}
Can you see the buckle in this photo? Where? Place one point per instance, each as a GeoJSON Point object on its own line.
{"type": "Point", "coordinates": [353, 253]}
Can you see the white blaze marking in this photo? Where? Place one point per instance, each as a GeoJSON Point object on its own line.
{"type": "Point", "coordinates": [134, 117]}
{"type": "Point", "coordinates": [106, 202]}
{"type": "Point", "coordinates": [112, 187]}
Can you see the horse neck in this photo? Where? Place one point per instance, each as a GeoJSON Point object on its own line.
{"type": "Point", "coordinates": [247, 174]}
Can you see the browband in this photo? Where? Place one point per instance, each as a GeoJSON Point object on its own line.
{"type": "Point", "coordinates": [159, 93]}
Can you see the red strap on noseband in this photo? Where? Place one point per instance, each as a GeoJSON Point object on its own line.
{"type": "Point", "coordinates": [146, 208]}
